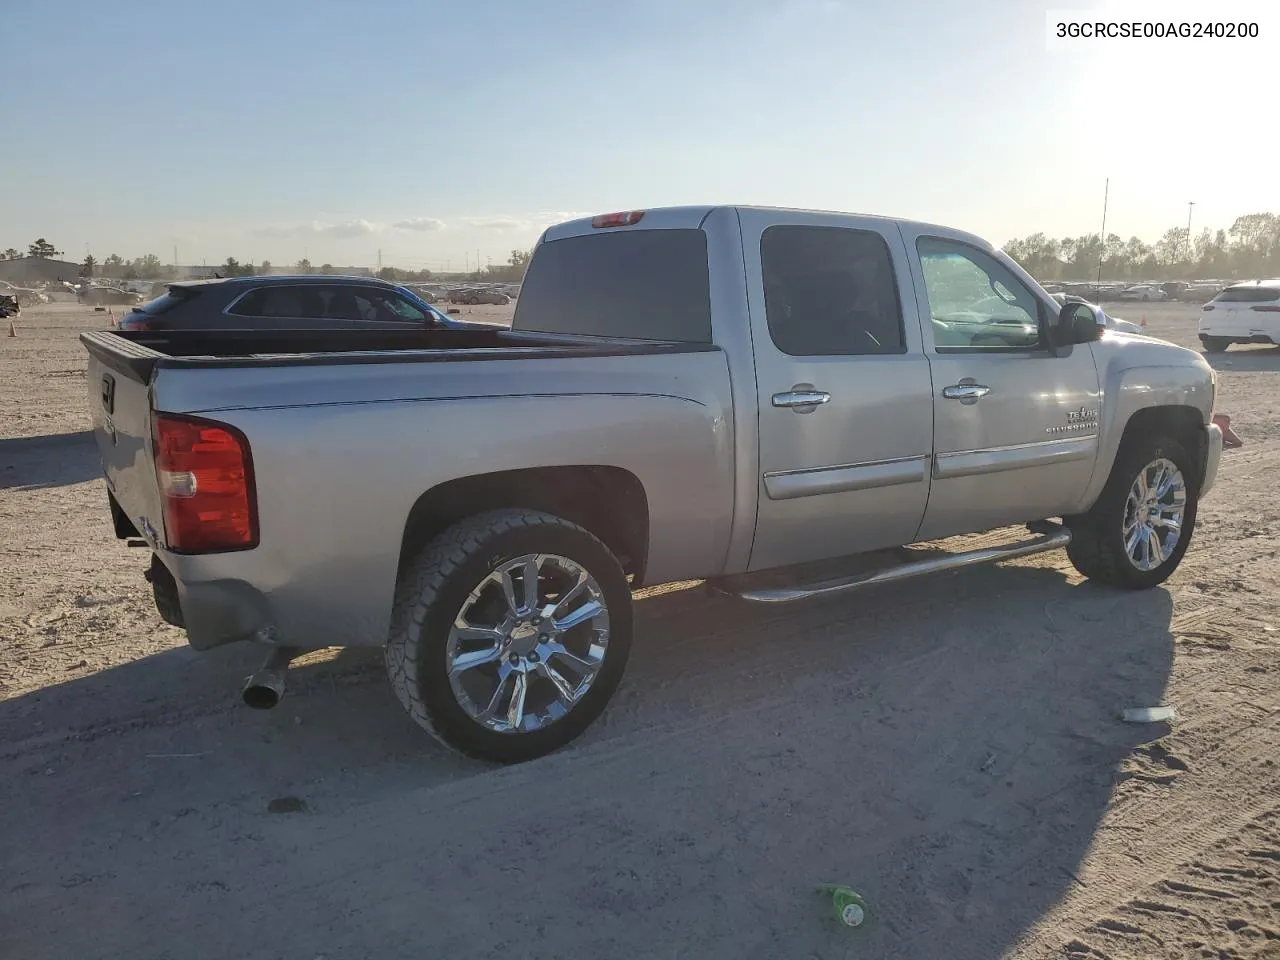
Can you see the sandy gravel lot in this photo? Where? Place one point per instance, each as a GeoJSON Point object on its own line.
{"type": "Point", "coordinates": [949, 747]}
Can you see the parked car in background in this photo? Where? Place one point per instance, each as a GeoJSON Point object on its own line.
{"type": "Point", "coordinates": [697, 393]}
{"type": "Point", "coordinates": [104, 296]}
{"type": "Point", "coordinates": [282, 302]}
{"type": "Point", "coordinates": [1142, 291]}
{"type": "Point", "coordinates": [474, 296]}
{"type": "Point", "coordinates": [1202, 292]}
{"type": "Point", "coordinates": [23, 296]}
{"type": "Point", "coordinates": [1246, 312]}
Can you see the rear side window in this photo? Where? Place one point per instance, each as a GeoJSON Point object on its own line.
{"type": "Point", "coordinates": [173, 297]}
{"type": "Point", "coordinates": [1248, 295]}
{"type": "Point", "coordinates": [638, 284]}
{"type": "Point", "coordinates": [275, 302]}
{"type": "Point", "coordinates": [830, 291]}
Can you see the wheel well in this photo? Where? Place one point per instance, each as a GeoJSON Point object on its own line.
{"type": "Point", "coordinates": [1183, 423]}
{"type": "Point", "coordinates": [608, 501]}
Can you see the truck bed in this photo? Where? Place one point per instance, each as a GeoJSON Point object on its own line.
{"type": "Point", "coordinates": [138, 354]}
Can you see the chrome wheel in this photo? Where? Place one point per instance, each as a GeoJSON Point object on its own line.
{"type": "Point", "coordinates": [1154, 513]}
{"type": "Point", "coordinates": [527, 643]}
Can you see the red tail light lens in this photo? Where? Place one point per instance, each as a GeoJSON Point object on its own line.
{"type": "Point", "coordinates": [205, 476]}
{"type": "Point", "coordinates": [1266, 309]}
{"type": "Point", "coordinates": [625, 219]}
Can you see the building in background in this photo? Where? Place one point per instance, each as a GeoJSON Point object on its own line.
{"type": "Point", "coordinates": [31, 269]}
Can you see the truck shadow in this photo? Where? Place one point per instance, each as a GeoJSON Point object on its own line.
{"type": "Point", "coordinates": [948, 747]}
{"type": "Point", "coordinates": [55, 460]}
{"type": "Point", "coordinates": [1254, 359]}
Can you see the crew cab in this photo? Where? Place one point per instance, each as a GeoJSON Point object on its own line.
{"type": "Point", "coordinates": [694, 393]}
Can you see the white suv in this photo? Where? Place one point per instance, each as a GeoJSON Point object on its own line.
{"type": "Point", "coordinates": [1242, 313]}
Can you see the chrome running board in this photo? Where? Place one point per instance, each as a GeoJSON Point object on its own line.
{"type": "Point", "coordinates": [1053, 536]}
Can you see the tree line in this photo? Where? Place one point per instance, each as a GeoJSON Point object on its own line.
{"type": "Point", "coordinates": [1249, 249]}
{"type": "Point", "coordinates": [149, 267]}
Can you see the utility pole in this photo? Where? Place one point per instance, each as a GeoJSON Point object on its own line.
{"type": "Point", "coordinates": [175, 254]}
{"type": "Point", "coordinates": [379, 259]}
{"type": "Point", "coordinates": [1190, 205]}
{"type": "Point", "coordinates": [1102, 247]}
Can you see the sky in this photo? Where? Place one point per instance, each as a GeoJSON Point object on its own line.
{"type": "Point", "coordinates": [439, 132]}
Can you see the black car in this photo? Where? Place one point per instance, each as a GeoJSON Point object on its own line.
{"type": "Point", "coordinates": [286, 303]}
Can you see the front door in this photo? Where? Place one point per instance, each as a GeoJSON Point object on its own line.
{"type": "Point", "coordinates": [844, 397]}
{"type": "Point", "coordinates": [1015, 427]}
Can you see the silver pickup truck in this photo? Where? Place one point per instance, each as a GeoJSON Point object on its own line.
{"type": "Point", "coordinates": [695, 393]}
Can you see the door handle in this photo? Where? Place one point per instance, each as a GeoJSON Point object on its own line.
{"type": "Point", "coordinates": [801, 398]}
{"type": "Point", "coordinates": [966, 391]}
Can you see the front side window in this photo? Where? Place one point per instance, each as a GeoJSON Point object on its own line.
{"type": "Point", "coordinates": [830, 291]}
{"type": "Point", "coordinates": [975, 302]}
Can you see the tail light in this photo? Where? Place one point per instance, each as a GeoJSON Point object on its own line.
{"type": "Point", "coordinates": [205, 475]}
{"type": "Point", "coordinates": [1266, 309]}
{"type": "Point", "coordinates": [624, 219]}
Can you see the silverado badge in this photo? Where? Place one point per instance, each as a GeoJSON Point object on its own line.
{"type": "Point", "coordinates": [1084, 418]}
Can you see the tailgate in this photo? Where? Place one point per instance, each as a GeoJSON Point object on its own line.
{"type": "Point", "coordinates": [120, 407]}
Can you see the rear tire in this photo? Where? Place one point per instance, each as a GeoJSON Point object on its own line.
{"type": "Point", "coordinates": [1107, 544]}
{"type": "Point", "coordinates": [1215, 344]}
{"type": "Point", "coordinates": [463, 600]}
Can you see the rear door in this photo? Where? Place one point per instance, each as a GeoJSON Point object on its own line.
{"type": "Point", "coordinates": [843, 388]}
{"type": "Point", "coordinates": [1015, 427]}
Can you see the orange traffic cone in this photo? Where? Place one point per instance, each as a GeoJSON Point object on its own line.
{"type": "Point", "coordinates": [1143, 322]}
{"type": "Point", "coordinates": [1229, 438]}
{"type": "Point", "coordinates": [12, 331]}
{"type": "Point", "coordinates": [112, 314]}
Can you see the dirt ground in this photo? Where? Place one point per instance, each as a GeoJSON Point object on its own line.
{"type": "Point", "coordinates": [949, 747]}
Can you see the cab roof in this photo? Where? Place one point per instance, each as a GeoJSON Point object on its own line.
{"type": "Point", "coordinates": [692, 217]}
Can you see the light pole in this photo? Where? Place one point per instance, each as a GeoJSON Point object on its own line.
{"type": "Point", "coordinates": [1190, 205]}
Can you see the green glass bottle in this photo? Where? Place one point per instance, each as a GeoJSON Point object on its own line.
{"type": "Point", "coordinates": [850, 908]}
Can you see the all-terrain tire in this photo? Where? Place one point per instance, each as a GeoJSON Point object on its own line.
{"type": "Point", "coordinates": [432, 591]}
{"type": "Point", "coordinates": [1097, 546]}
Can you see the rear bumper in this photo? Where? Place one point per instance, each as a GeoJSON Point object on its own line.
{"type": "Point", "coordinates": [1212, 457]}
{"type": "Point", "coordinates": [1240, 336]}
{"type": "Point", "coordinates": [219, 612]}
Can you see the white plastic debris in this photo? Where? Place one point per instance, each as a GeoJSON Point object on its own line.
{"type": "Point", "coordinates": [1149, 714]}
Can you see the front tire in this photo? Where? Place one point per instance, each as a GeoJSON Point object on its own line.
{"type": "Point", "coordinates": [1136, 534]}
{"type": "Point", "coordinates": [1215, 344]}
{"type": "Point", "coordinates": [509, 634]}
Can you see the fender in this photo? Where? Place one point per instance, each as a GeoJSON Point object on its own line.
{"type": "Point", "coordinates": [1139, 373]}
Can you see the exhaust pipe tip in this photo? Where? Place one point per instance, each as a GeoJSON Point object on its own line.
{"type": "Point", "coordinates": [263, 692]}
{"type": "Point", "coordinates": [265, 689]}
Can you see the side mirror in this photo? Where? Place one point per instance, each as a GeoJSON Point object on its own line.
{"type": "Point", "coordinates": [1079, 323]}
